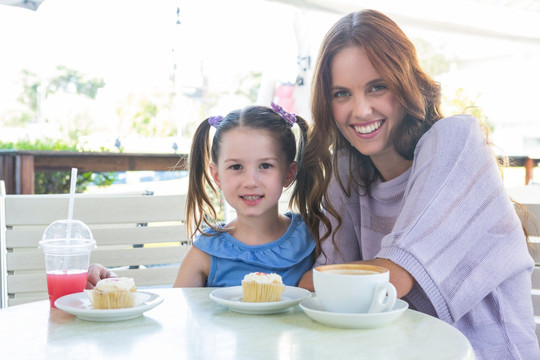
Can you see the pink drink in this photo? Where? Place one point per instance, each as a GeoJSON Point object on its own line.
{"type": "Point", "coordinates": [65, 282]}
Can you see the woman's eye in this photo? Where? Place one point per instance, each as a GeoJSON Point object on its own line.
{"type": "Point", "coordinates": [377, 87]}
{"type": "Point", "coordinates": [266, 166]}
{"type": "Point", "coordinates": [235, 167]}
{"type": "Point", "coordinates": [341, 93]}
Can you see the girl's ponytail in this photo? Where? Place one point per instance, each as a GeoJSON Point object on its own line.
{"type": "Point", "coordinates": [200, 210]}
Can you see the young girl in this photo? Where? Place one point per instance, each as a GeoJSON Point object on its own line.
{"type": "Point", "coordinates": [391, 182]}
{"type": "Point", "coordinates": [251, 159]}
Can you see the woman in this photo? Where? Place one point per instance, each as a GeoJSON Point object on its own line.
{"type": "Point", "coordinates": [391, 182]}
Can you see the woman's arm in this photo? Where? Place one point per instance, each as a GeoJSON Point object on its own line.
{"type": "Point", "coordinates": [399, 277]}
{"type": "Point", "coordinates": [194, 269]}
{"type": "Point", "coordinates": [306, 281]}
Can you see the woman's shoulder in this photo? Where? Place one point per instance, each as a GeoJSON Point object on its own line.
{"type": "Point", "coordinates": [455, 126]}
{"type": "Point", "coordinates": [460, 123]}
{"type": "Point", "coordinates": [453, 132]}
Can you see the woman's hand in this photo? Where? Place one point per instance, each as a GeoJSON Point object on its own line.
{"type": "Point", "coordinates": [399, 277]}
{"type": "Point", "coordinates": [306, 281]}
{"type": "Point", "coordinates": [97, 272]}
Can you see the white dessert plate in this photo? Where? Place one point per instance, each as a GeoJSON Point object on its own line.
{"type": "Point", "coordinates": [79, 304]}
{"type": "Point", "coordinates": [231, 297]}
{"type": "Point", "coordinates": [314, 310]}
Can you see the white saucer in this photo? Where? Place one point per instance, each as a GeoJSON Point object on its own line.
{"type": "Point", "coordinates": [314, 310]}
{"type": "Point", "coordinates": [231, 297]}
{"type": "Point", "coordinates": [79, 304]}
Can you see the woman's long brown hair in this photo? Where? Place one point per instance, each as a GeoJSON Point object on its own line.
{"type": "Point", "coordinates": [394, 57]}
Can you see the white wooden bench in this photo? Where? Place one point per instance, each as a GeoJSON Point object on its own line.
{"type": "Point", "coordinates": [142, 237]}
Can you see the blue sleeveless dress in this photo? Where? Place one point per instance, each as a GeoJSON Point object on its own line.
{"type": "Point", "coordinates": [289, 256]}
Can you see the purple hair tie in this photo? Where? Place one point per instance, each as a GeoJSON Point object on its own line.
{"type": "Point", "coordinates": [289, 117]}
{"type": "Point", "coordinates": [214, 120]}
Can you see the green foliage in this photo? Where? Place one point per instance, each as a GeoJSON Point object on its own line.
{"type": "Point", "coordinates": [29, 95]}
{"type": "Point", "coordinates": [431, 59]}
{"type": "Point", "coordinates": [58, 182]}
{"type": "Point", "coordinates": [38, 145]}
{"type": "Point", "coordinates": [248, 85]}
{"type": "Point", "coordinates": [143, 117]}
{"type": "Point", "coordinates": [66, 80]}
{"type": "Point", "coordinates": [461, 103]}
{"type": "Point", "coordinates": [147, 115]}
{"type": "Point", "coordinates": [72, 81]}
{"type": "Point", "coordinates": [435, 63]}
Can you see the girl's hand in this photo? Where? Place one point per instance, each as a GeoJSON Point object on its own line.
{"type": "Point", "coordinates": [97, 272]}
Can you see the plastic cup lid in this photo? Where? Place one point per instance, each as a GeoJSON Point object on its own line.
{"type": "Point", "coordinates": [67, 236]}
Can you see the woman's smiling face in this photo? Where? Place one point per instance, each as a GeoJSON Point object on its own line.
{"type": "Point", "coordinates": [364, 108]}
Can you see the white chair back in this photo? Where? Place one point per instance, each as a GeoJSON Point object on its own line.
{"type": "Point", "coordinates": [139, 236]}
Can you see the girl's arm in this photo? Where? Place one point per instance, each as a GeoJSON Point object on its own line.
{"type": "Point", "coordinates": [194, 269]}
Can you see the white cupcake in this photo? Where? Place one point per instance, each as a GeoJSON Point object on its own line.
{"type": "Point", "coordinates": [114, 293]}
{"type": "Point", "coordinates": [262, 287]}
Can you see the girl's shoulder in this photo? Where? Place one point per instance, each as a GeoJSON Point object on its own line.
{"type": "Point", "coordinates": [297, 230]}
{"type": "Point", "coordinates": [291, 248]}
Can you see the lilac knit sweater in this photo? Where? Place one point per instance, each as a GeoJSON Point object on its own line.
{"type": "Point", "coordinates": [449, 222]}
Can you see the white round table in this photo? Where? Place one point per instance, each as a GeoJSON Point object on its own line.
{"type": "Point", "coordinates": [188, 325]}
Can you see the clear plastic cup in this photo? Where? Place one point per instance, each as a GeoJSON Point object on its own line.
{"type": "Point", "coordinates": [67, 245]}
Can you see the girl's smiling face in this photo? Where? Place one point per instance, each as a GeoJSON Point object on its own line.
{"type": "Point", "coordinates": [252, 171]}
{"type": "Point", "coordinates": [365, 110]}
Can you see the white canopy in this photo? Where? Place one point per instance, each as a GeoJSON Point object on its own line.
{"type": "Point", "coordinates": [27, 4]}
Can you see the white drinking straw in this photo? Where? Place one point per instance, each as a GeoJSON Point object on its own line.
{"type": "Point", "coordinates": [72, 185]}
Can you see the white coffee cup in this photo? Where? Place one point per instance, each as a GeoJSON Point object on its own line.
{"type": "Point", "coordinates": [354, 288]}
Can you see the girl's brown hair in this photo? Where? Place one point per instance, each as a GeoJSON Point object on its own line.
{"type": "Point", "coordinates": [200, 210]}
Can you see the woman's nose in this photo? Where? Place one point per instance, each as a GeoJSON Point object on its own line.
{"type": "Point", "coordinates": [362, 107]}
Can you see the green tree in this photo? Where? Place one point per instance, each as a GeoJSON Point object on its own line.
{"type": "Point", "coordinates": [147, 115]}
{"type": "Point", "coordinates": [248, 85]}
{"type": "Point", "coordinates": [29, 95]}
{"type": "Point", "coordinates": [432, 59]}
{"type": "Point", "coordinates": [65, 80]}
{"type": "Point", "coordinates": [461, 103]}
{"type": "Point", "coordinates": [72, 81]}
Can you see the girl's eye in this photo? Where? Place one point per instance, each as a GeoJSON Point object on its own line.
{"type": "Point", "coordinates": [341, 93]}
{"type": "Point", "coordinates": [236, 167]}
{"type": "Point", "coordinates": [266, 166]}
